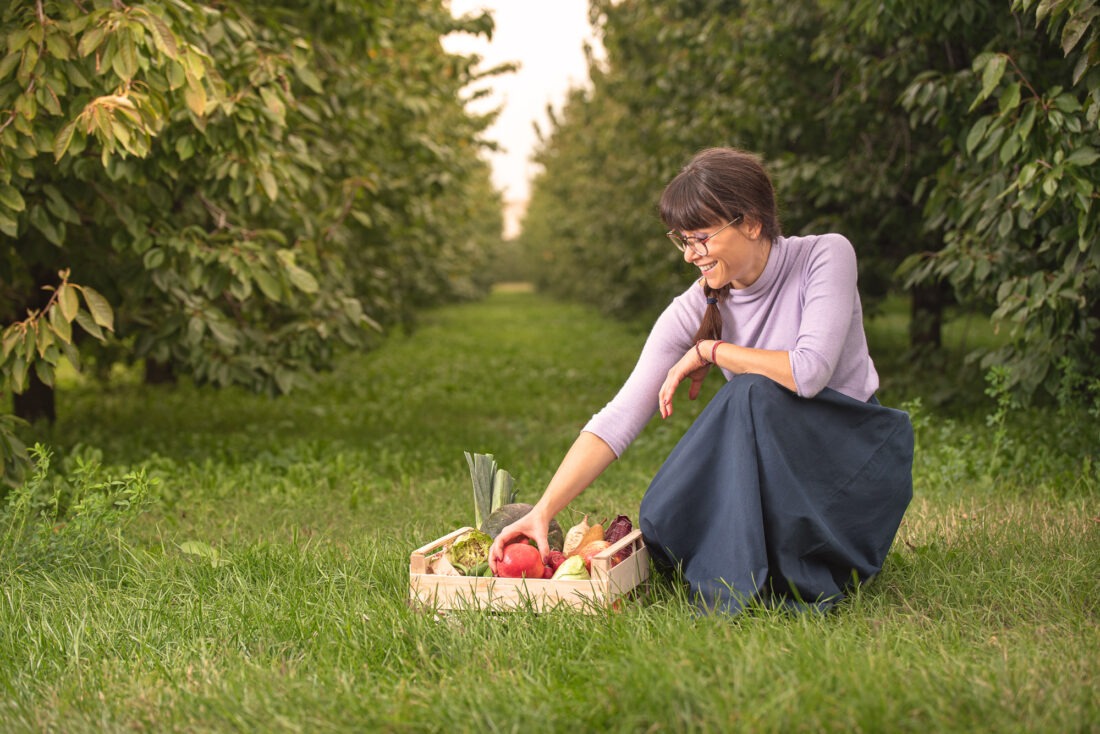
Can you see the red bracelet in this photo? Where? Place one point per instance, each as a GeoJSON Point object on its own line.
{"type": "Point", "coordinates": [698, 353]}
{"type": "Point", "coordinates": [714, 351]}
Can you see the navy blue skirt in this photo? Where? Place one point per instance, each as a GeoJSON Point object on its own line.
{"type": "Point", "coordinates": [779, 498]}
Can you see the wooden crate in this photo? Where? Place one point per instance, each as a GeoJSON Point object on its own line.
{"type": "Point", "coordinates": [605, 587]}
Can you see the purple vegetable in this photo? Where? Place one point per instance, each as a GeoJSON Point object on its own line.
{"type": "Point", "coordinates": [619, 528]}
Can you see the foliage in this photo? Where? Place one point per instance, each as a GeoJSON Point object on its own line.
{"type": "Point", "coordinates": [783, 79]}
{"type": "Point", "coordinates": [75, 514]}
{"type": "Point", "coordinates": [1015, 194]}
{"type": "Point", "coordinates": [235, 189]}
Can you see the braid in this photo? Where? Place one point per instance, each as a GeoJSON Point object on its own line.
{"type": "Point", "coordinates": [711, 325]}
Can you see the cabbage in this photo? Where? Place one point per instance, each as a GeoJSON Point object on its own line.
{"type": "Point", "coordinates": [470, 550]}
{"type": "Point", "coordinates": [572, 570]}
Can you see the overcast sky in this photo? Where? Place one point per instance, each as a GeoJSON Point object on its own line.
{"type": "Point", "coordinates": [546, 38]}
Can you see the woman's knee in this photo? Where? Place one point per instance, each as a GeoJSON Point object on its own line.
{"type": "Point", "coordinates": [753, 387]}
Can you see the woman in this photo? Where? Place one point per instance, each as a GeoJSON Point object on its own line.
{"type": "Point", "coordinates": [791, 484]}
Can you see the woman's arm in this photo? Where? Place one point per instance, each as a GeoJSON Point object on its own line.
{"type": "Point", "coordinates": [772, 363]}
{"type": "Point", "coordinates": [586, 459]}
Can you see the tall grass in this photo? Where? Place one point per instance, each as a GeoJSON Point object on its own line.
{"type": "Point", "coordinates": [186, 560]}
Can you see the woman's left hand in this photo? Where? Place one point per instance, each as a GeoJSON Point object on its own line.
{"type": "Point", "coordinates": [690, 367]}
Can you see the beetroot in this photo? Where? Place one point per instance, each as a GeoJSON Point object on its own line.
{"type": "Point", "coordinates": [555, 559]}
{"type": "Point", "coordinates": [619, 528]}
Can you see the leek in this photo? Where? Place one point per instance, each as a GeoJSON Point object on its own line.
{"type": "Point", "coordinates": [493, 486]}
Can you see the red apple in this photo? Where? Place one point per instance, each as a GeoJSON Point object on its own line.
{"type": "Point", "coordinates": [521, 561]}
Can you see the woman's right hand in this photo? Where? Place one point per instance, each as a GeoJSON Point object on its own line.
{"type": "Point", "coordinates": [532, 525]}
{"type": "Point", "coordinates": [690, 367]}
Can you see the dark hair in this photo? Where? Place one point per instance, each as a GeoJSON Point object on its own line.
{"type": "Point", "coordinates": [715, 187]}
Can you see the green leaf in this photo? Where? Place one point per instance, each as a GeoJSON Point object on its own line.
{"type": "Point", "coordinates": [185, 147]}
{"type": "Point", "coordinates": [223, 332]}
{"type": "Point", "coordinates": [177, 75]}
{"type": "Point", "coordinates": [11, 198]}
{"type": "Point", "coordinates": [43, 337]}
{"type": "Point", "coordinates": [1027, 121]}
{"type": "Point", "coordinates": [99, 308]}
{"type": "Point", "coordinates": [68, 302]}
{"type": "Point", "coordinates": [1076, 27]}
{"type": "Point", "coordinates": [58, 45]}
{"type": "Point", "coordinates": [977, 132]}
{"type": "Point", "coordinates": [267, 180]}
{"type": "Point", "coordinates": [311, 80]}
{"type": "Point", "coordinates": [991, 76]}
{"type": "Point", "coordinates": [60, 324]}
{"type": "Point", "coordinates": [124, 62]}
{"type": "Point", "coordinates": [8, 226]}
{"type": "Point", "coordinates": [58, 205]}
{"type": "Point", "coordinates": [1086, 155]}
{"type": "Point", "coordinates": [153, 258]}
{"type": "Point", "coordinates": [44, 370]}
{"type": "Point", "coordinates": [1043, 9]}
{"type": "Point", "coordinates": [272, 102]}
{"type": "Point", "coordinates": [8, 63]}
{"type": "Point", "coordinates": [302, 279]}
{"type": "Point", "coordinates": [163, 37]}
{"type": "Point", "coordinates": [268, 284]}
{"type": "Point", "coordinates": [63, 140]}
{"type": "Point", "coordinates": [19, 370]}
{"type": "Point", "coordinates": [11, 338]}
{"type": "Point", "coordinates": [195, 97]}
{"type": "Point", "coordinates": [72, 354]}
{"type": "Point", "coordinates": [51, 230]}
{"type": "Point", "coordinates": [91, 40]}
{"type": "Point", "coordinates": [1010, 98]}
{"type": "Point", "coordinates": [86, 323]}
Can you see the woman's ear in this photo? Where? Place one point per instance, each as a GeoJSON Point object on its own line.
{"type": "Point", "coordinates": [752, 228]}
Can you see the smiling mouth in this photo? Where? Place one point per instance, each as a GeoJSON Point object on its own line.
{"type": "Point", "coordinates": [707, 268]}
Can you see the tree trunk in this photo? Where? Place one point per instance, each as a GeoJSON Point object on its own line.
{"type": "Point", "coordinates": [159, 373]}
{"type": "Point", "coordinates": [37, 402]}
{"type": "Point", "coordinates": [926, 306]}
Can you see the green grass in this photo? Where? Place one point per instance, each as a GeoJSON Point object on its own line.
{"type": "Point", "coordinates": [288, 614]}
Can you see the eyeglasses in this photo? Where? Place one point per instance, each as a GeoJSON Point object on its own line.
{"type": "Point", "coordinates": [698, 245]}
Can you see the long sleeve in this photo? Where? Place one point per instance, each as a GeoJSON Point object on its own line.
{"type": "Point", "coordinates": [828, 296]}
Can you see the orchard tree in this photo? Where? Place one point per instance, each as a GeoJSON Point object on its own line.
{"type": "Point", "coordinates": [1014, 197]}
{"type": "Point", "coordinates": [233, 189]}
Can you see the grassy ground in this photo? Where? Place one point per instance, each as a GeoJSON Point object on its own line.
{"type": "Point", "coordinates": [263, 586]}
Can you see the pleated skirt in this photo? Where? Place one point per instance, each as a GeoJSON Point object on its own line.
{"type": "Point", "coordinates": [778, 498]}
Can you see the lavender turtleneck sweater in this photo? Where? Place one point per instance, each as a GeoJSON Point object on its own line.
{"type": "Point", "coordinates": [805, 302]}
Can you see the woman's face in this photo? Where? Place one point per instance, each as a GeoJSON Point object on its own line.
{"type": "Point", "coordinates": [735, 254]}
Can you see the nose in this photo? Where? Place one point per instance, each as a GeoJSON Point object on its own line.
{"type": "Point", "coordinates": [690, 255]}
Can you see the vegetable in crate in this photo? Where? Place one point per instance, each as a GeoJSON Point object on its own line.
{"type": "Point", "coordinates": [574, 536]}
{"type": "Point", "coordinates": [504, 516]}
{"type": "Point", "coordinates": [586, 552]}
{"type": "Point", "coordinates": [619, 528]}
{"type": "Point", "coordinates": [469, 552]}
{"type": "Point", "coordinates": [521, 560]}
{"type": "Point", "coordinates": [572, 569]}
{"type": "Point", "coordinates": [594, 532]}
{"type": "Point", "coordinates": [493, 487]}
{"type": "Point", "coordinates": [554, 559]}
